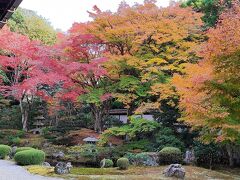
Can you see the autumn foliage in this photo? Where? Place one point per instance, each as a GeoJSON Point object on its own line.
{"type": "Point", "coordinates": [28, 70]}
{"type": "Point", "coordinates": [210, 89]}
{"type": "Point", "coordinates": [145, 45]}
{"type": "Point", "coordinates": [143, 57]}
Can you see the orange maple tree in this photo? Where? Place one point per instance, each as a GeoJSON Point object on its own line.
{"type": "Point", "coordinates": [144, 44]}
{"type": "Point", "coordinates": [210, 89]}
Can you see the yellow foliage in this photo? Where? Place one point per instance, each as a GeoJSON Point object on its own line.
{"type": "Point", "coordinates": [126, 99]}
{"type": "Point", "coordinates": [145, 107]}
{"type": "Point", "coordinates": [40, 170]}
{"type": "Point", "coordinates": [157, 61]}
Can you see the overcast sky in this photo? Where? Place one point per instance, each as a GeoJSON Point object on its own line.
{"type": "Point", "coordinates": [62, 14]}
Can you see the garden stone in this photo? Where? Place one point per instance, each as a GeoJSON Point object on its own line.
{"type": "Point", "coordinates": [46, 164]}
{"type": "Point", "coordinates": [46, 145]}
{"type": "Point", "coordinates": [59, 154]}
{"type": "Point", "coordinates": [175, 170]}
{"type": "Point", "coordinates": [103, 163]}
{"type": "Point", "coordinates": [189, 157]}
{"type": "Point", "coordinates": [13, 152]}
{"type": "Point", "coordinates": [146, 159]}
{"type": "Point", "coordinates": [63, 168]}
{"type": "Point", "coordinates": [152, 159]}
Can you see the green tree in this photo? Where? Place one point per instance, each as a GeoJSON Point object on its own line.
{"type": "Point", "coordinates": [28, 23]}
{"type": "Point", "coordinates": [211, 9]}
{"type": "Point", "coordinates": [138, 128]}
{"type": "Point", "coordinates": [165, 137]}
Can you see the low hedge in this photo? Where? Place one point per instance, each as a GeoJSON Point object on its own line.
{"type": "Point", "coordinates": [170, 155]}
{"type": "Point", "coordinates": [23, 149]}
{"type": "Point", "coordinates": [30, 157]}
{"type": "Point", "coordinates": [123, 163]}
{"type": "Point", "coordinates": [4, 151]}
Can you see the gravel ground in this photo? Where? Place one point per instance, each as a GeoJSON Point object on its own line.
{"type": "Point", "coordinates": [10, 171]}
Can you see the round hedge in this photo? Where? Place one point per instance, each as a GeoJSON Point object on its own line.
{"type": "Point", "coordinates": [23, 149]}
{"type": "Point", "coordinates": [29, 157]}
{"type": "Point", "coordinates": [4, 151]}
{"type": "Point", "coordinates": [107, 164]}
{"type": "Point", "coordinates": [169, 155]}
{"type": "Point", "coordinates": [123, 163]}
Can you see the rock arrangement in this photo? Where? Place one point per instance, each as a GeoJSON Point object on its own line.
{"type": "Point", "coordinates": [146, 159]}
{"type": "Point", "coordinates": [152, 159]}
{"type": "Point", "coordinates": [175, 170]}
{"type": "Point", "coordinates": [59, 154]}
{"type": "Point", "coordinates": [63, 168]}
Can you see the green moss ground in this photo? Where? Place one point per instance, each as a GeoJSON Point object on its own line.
{"type": "Point", "coordinates": [138, 173]}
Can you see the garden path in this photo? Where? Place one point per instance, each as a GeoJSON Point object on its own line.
{"type": "Point", "coordinates": [10, 171]}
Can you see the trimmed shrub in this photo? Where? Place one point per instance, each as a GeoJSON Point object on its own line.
{"type": "Point", "coordinates": [170, 155]}
{"type": "Point", "coordinates": [4, 151]}
{"type": "Point", "coordinates": [23, 149]}
{"type": "Point", "coordinates": [106, 163]}
{"type": "Point", "coordinates": [29, 157]}
{"type": "Point", "coordinates": [123, 163]}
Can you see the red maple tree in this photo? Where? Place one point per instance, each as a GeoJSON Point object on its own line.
{"type": "Point", "coordinates": [28, 70]}
{"type": "Point", "coordinates": [83, 55]}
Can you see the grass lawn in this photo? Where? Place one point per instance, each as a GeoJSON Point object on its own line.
{"type": "Point", "coordinates": [141, 173]}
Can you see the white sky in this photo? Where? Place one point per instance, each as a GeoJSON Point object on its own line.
{"type": "Point", "coordinates": [62, 14]}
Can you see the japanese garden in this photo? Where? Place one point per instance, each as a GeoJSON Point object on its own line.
{"type": "Point", "coordinates": [141, 92]}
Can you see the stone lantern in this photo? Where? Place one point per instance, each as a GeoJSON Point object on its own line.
{"type": "Point", "coordinates": [39, 124]}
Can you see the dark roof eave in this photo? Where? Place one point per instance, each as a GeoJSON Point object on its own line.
{"type": "Point", "coordinates": [124, 112]}
{"type": "Point", "coordinates": [9, 11]}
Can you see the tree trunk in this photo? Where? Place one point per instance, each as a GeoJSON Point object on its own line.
{"type": "Point", "coordinates": [97, 114]}
{"type": "Point", "coordinates": [210, 162]}
{"type": "Point", "coordinates": [56, 121]}
{"type": "Point", "coordinates": [24, 112]}
{"type": "Point", "coordinates": [98, 122]}
{"type": "Point", "coordinates": [129, 113]}
{"type": "Point", "coordinates": [230, 154]}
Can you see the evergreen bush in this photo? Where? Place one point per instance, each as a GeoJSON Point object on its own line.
{"type": "Point", "coordinates": [123, 163]}
{"type": "Point", "coordinates": [4, 151]}
{"type": "Point", "coordinates": [29, 157]}
{"type": "Point", "coordinates": [23, 149]}
{"type": "Point", "coordinates": [170, 155]}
